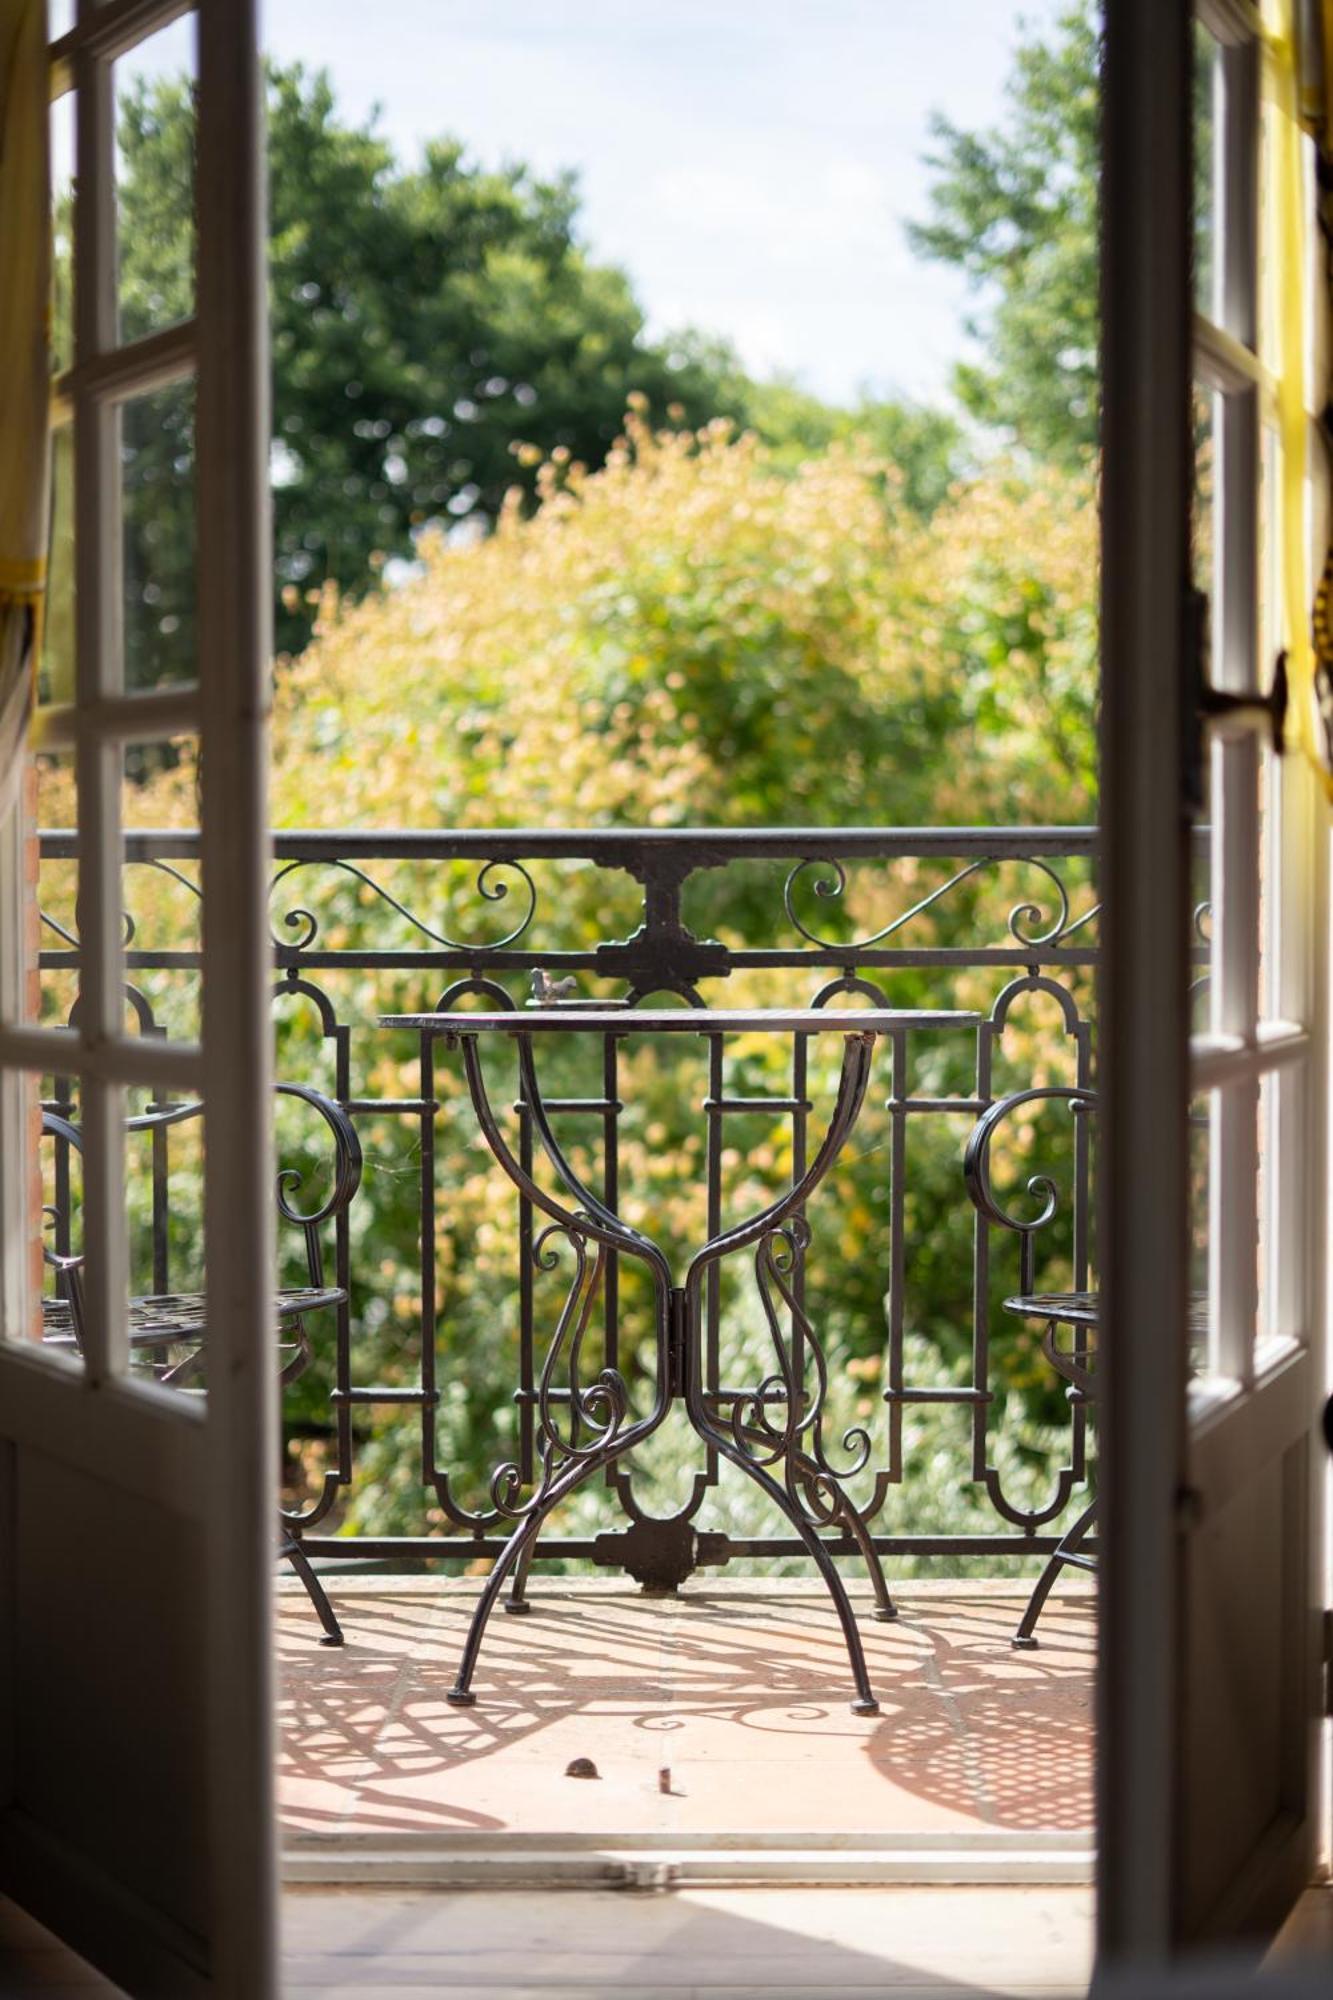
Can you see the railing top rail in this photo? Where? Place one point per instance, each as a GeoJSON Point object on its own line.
{"type": "Point", "coordinates": [617, 847]}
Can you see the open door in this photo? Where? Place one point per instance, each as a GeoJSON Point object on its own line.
{"type": "Point", "coordinates": [1214, 1011]}
{"type": "Point", "coordinates": [136, 1521]}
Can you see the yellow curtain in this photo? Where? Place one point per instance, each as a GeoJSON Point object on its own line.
{"type": "Point", "coordinates": [1301, 66]}
{"type": "Point", "coordinates": [25, 295]}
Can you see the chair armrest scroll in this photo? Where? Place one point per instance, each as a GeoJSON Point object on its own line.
{"type": "Point", "coordinates": [976, 1157]}
{"type": "Point", "coordinates": [346, 1166]}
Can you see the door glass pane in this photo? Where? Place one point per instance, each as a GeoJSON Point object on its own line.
{"type": "Point", "coordinates": [42, 989]}
{"type": "Point", "coordinates": [1287, 1113]}
{"type": "Point", "coordinates": [166, 1129]}
{"type": "Point", "coordinates": [158, 497]}
{"type": "Point", "coordinates": [1269, 1274]}
{"type": "Point", "coordinates": [159, 806]}
{"type": "Point", "coordinates": [60, 1157]}
{"type": "Point", "coordinates": [62, 231]}
{"type": "Point", "coordinates": [164, 1215]}
{"type": "Point", "coordinates": [41, 1212]}
{"type": "Point", "coordinates": [52, 978]}
{"type": "Point", "coordinates": [1204, 500]}
{"type": "Point", "coordinates": [1268, 234]}
{"type": "Point", "coordinates": [1207, 205]}
{"type": "Point", "coordinates": [1200, 1200]}
{"type": "Point", "coordinates": [55, 674]}
{"type": "Point", "coordinates": [1270, 849]}
{"type": "Point", "coordinates": [154, 169]}
{"type": "Point", "coordinates": [1270, 552]}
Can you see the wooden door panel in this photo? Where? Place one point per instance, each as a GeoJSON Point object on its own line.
{"type": "Point", "coordinates": [1210, 1604]}
{"type": "Point", "coordinates": [136, 1523]}
{"type": "Point", "coordinates": [1245, 1716]}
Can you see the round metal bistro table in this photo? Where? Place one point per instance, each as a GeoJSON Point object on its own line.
{"type": "Point", "coordinates": [775, 1430]}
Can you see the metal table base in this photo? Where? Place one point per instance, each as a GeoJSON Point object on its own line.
{"type": "Point", "coordinates": [775, 1426]}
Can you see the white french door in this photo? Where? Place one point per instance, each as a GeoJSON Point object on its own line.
{"type": "Point", "coordinates": [1215, 865]}
{"type": "Point", "coordinates": [136, 1524]}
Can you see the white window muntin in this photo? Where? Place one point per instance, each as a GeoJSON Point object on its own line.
{"type": "Point", "coordinates": [102, 718]}
{"type": "Point", "coordinates": [1260, 918]}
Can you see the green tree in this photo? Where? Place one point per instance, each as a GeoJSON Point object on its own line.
{"type": "Point", "coordinates": [425, 323]}
{"type": "Point", "coordinates": [1015, 208]}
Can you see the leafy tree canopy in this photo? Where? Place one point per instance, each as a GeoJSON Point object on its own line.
{"type": "Point", "coordinates": [426, 324]}
{"type": "Point", "coordinates": [1015, 208]}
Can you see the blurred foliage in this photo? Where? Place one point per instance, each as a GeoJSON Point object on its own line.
{"type": "Point", "coordinates": [694, 635]}
{"type": "Point", "coordinates": [426, 323]}
{"type": "Point", "coordinates": [1015, 208]}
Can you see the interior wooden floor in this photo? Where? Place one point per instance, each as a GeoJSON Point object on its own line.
{"type": "Point", "coordinates": [911, 1944]}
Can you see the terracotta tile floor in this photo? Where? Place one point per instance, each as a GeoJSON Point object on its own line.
{"type": "Point", "coordinates": [738, 1692]}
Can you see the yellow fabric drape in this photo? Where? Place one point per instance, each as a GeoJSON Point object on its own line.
{"type": "Point", "coordinates": [1285, 84]}
{"type": "Point", "coordinates": [1305, 63]}
{"type": "Point", "coordinates": [25, 296]}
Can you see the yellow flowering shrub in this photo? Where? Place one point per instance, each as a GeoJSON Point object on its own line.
{"type": "Point", "coordinates": [695, 635]}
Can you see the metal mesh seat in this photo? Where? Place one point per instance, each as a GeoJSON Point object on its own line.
{"type": "Point", "coordinates": [168, 1331]}
{"type": "Point", "coordinates": [1074, 1359]}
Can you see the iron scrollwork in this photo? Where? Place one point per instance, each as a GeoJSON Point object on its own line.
{"type": "Point", "coordinates": [842, 1491]}
{"type": "Point", "coordinates": [831, 885]}
{"type": "Point", "coordinates": [490, 885]}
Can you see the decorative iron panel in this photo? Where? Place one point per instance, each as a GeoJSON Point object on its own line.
{"type": "Point", "coordinates": [1003, 921]}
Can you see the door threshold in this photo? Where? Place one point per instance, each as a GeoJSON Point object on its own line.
{"type": "Point", "coordinates": [647, 1861]}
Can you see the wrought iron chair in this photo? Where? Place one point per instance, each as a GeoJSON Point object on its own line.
{"type": "Point", "coordinates": [168, 1331]}
{"type": "Point", "coordinates": [1073, 1359]}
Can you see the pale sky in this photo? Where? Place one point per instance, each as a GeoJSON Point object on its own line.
{"type": "Point", "coordinates": [750, 163]}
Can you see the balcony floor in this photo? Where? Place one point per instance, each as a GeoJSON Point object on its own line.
{"type": "Point", "coordinates": [723, 1712]}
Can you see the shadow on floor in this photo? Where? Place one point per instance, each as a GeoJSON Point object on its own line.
{"type": "Point", "coordinates": [718, 1711]}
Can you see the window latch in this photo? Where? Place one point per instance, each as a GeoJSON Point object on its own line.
{"type": "Point", "coordinates": [1212, 704]}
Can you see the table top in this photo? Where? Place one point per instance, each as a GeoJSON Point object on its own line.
{"type": "Point", "coordinates": [684, 1020]}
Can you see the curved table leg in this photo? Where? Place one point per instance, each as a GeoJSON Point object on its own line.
{"type": "Point", "coordinates": [517, 1601]}
{"type": "Point", "coordinates": [852, 1084]}
{"type": "Point", "coordinates": [1065, 1551]}
{"type": "Point", "coordinates": [865, 1703]}
{"type": "Point", "coordinates": [290, 1550]}
{"type": "Point", "coordinates": [810, 1476]}
{"type": "Point", "coordinates": [519, 1549]}
{"type": "Point", "coordinates": [603, 1226]}
{"type": "Point", "coordinates": [885, 1610]}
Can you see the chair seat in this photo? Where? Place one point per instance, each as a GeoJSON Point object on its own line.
{"type": "Point", "coordinates": [1073, 1308]}
{"type": "Point", "coordinates": [174, 1319]}
{"type": "Point", "coordinates": [1084, 1308]}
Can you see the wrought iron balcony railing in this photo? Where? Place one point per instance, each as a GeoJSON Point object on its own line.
{"type": "Point", "coordinates": [432, 1372]}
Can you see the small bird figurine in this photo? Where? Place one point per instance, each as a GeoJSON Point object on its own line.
{"type": "Point", "coordinates": [548, 992]}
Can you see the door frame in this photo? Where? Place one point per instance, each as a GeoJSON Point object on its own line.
{"type": "Point", "coordinates": [213, 1467]}
{"type": "Point", "coordinates": [1163, 1459]}
{"type": "Point", "coordinates": [1143, 1218]}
